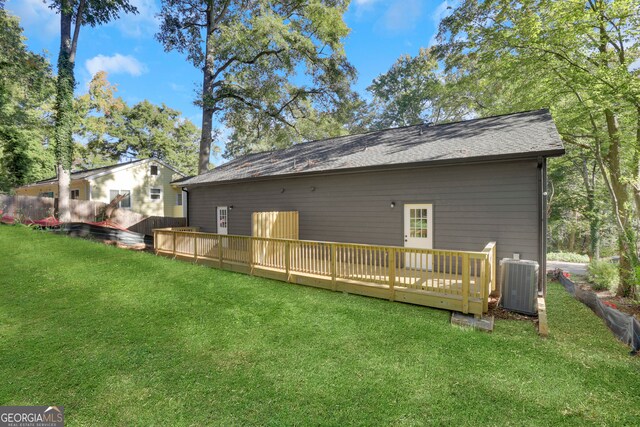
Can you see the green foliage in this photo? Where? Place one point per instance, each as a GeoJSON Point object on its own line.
{"type": "Point", "coordinates": [413, 91]}
{"type": "Point", "coordinates": [573, 56]}
{"type": "Point", "coordinates": [603, 275]}
{"type": "Point", "coordinates": [567, 257]}
{"type": "Point", "coordinates": [272, 69]}
{"type": "Point", "coordinates": [26, 89]}
{"type": "Point", "coordinates": [93, 12]}
{"type": "Point", "coordinates": [113, 130]}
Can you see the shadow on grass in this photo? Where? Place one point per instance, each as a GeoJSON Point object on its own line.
{"type": "Point", "coordinates": [129, 338]}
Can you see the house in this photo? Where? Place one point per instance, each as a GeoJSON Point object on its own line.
{"type": "Point", "coordinates": [453, 186]}
{"type": "Point", "coordinates": [147, 182]}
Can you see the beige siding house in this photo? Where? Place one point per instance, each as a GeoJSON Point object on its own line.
{"type": "Point", "coordinates": [147, 182]}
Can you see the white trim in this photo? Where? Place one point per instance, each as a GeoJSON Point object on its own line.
{"type": "Point", "coordinates": [225, 229]}
{"type": "Point", "coordinates": [124, 166]}
{"type": "Point", "coordinates": [424, 262]}
{"type": "Point", "coordinates": [159, 199]}
{"type": "Point", "coordinates": [114, 169]}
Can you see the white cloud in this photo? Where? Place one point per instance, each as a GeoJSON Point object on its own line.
{"type": "Point", "coordinates": [402, 15]}
{"type": "Point", "coordinates": [143, 24]}
{"type": "Point", "coordinates": [443, 10]}
{"type": "Point", "coordinates": [116, 64]}
{"type": "Point", "coordinates": [635, 65]}
{"type": "Point", "coordinates": [36, 14]}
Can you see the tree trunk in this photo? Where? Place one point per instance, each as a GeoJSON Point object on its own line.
{"type": "Point", "coordinates": [626, 237]}
{"type": "Point", "coordinates": [593, 215]}
{"type": "Point", "coordinates": [206, 138]}
{"type": "Point", "coordinates": [64, 113]}
{"type": "Point", "coordinates": [636, 165]}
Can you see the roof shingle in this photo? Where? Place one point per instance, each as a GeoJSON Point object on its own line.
{"type": "Point", "coordinates": [530, 133]}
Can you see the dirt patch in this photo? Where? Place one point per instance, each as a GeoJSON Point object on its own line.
{"type": "Point", "coordinates": [500, 313]}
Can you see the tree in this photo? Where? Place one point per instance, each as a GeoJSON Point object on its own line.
{"type": "Point", "coordinates": [411, 92]}
{"type": "Point", "coordinates": [253, 133]}
{"type": "Point", "coordinates": [254, 54]}
{"type": "Point", "coordinates": [74, 14]}
{"type": "Point", "coordinates": [114, 131]}
{"type": "Point", "coordinates": [26, 88]}
{"type": "Point", "coordinates": [575, 56]}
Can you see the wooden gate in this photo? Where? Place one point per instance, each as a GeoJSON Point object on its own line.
{"type": "Point", "coordinates": [275, 225]}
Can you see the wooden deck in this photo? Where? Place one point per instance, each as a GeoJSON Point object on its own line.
{"type": "Point", "coordinates": [452, 280]}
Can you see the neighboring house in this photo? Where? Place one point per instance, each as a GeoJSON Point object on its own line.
{"type": "Point", "coordinates": [147, 183]}
{"type": "Point", "coordinates": [453, 186]}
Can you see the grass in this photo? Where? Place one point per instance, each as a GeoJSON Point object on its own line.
{"type": "Point", "coordinates": [122, 338]}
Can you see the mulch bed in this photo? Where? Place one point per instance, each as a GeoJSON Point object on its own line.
{"type": "Point", "coordinates": [625, 305]}
{"type": "Point", "coordinates": [500, 313]}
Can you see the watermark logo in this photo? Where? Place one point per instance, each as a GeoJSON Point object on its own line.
{"type": "Point", "coordinates": [31, 416]}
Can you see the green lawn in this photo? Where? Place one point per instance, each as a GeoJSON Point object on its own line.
{"type": "Point", "coordinates": [122, 338]}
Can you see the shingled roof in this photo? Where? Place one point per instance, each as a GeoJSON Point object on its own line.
{"type": "Point", "coordinates": [519, 135]}
{"type": "Point", "coordinates": [91, 173]}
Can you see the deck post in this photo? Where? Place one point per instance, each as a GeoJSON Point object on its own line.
{"type": "Point", "coordinates": [220, 250]}
{"type": "Point", "coordinates": [155, 242]}
{"type": "Point", "coordinates": [195, 247]}
{"type": "Point", "coordinates": [484, 292]}
{"type": "Point", "coordinates": [287, 260]}
{"type": "Point", "coordinates": [174, 243]}
{"type": "Point", "coordinates": [465, 283]}
{"type": "Point", "coordinates": [251, 250]}
{"type": "Point", "coordinates": [392, 274]}
{"type": "Point", "coordinates": [333, 249]}
{"type": "Point", "coordinates": [494, 268]}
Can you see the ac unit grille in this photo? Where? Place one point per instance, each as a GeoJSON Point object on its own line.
{"type": "Point", "coordinates": [519, 280]}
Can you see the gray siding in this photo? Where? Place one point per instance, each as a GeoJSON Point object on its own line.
{"type": "Point", "coordinates": [473, 205]}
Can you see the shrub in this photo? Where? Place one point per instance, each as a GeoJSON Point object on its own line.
{"type": "Point", "coordinates": [603, 275]}
{"type": "Point", "coordinates": [567, 257]}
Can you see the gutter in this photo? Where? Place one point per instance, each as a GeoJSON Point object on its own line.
{"type": "Point", "coordinates": [542, 218]}
{"type": "Point", "coordinates": [187, 202]}
{"type": "Point", "coordinates": [384, 168]}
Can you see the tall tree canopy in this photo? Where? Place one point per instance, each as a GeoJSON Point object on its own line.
{"type": "Point", "coordinates": [269, 65]}
{"type": "Point", "coordinates": [578, 56]}
{"type": "Point", "coordinates": [73, 15]}
{"type": "Point", "coordinates": [26, 90]}
{"type": "Point", "coordinates": [113, 130]}
{"type": "Point", "coordinates": [413, 91]}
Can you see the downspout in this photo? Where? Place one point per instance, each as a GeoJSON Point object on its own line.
{"type": "Point", "coordinates": [542, 218]}
{"type": "Point", "coordinates": [187, 202]}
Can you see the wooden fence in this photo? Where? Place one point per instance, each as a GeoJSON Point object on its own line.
{"type": "Point", "coordinates": [34, 208]}
{"type": "Point", "coordinates": [279, 225]}
{"type": "Point", "coordinates": [457, 280]}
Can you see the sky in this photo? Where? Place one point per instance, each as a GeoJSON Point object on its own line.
{"type": "Point", "coordinates": [381, 31]}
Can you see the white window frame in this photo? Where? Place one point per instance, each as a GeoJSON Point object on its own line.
{"type": "Point", "coordinates": [157, 170]}
{"type": "Point", "coordinates": [120, 192]}
{"type": "Point", "coordinates": [179, 200]}
{"type": "Point", "coordinates": [77, 191]}
{"type": "Point", "coordinates": [130, 199]}
{"type": "Point", "coordinates": [151, 194]}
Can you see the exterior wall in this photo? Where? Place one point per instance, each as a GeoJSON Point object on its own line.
{"type": "Point", "coordinates": [36, 190]}
{"type": "Point", "coordinates": [473, 205]}
{"type": "Point", "coordinates": [139, 181]}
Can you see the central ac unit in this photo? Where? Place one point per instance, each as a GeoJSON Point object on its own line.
{"type": "Point", "coordinates": [519, 284]}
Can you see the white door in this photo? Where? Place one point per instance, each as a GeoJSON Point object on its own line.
{"type": "Point", "coordinates": [418, 233]}
{"type": "Point", "coordinates": [223, 220]}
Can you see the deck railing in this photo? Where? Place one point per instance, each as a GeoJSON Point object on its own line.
{"type": "Point", "coordinates": [453, 280]}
